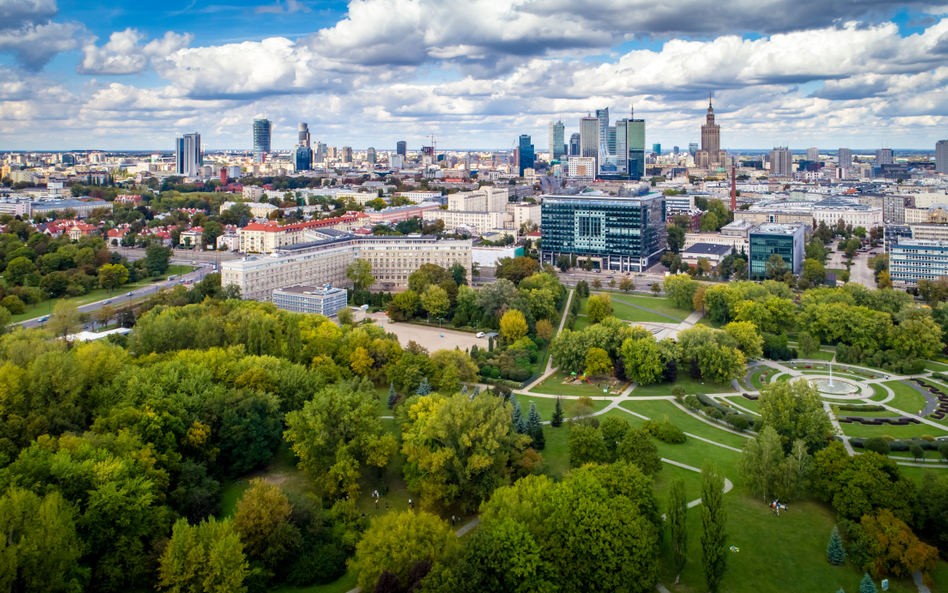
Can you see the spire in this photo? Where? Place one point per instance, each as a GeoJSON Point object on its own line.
{"type": "Point", "coordinates": [631, 111]}
{"type": "Point", "coordinates": [710, 108]}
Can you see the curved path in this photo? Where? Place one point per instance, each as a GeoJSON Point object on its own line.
{"type": "Point", "coordinates": [931, 403]}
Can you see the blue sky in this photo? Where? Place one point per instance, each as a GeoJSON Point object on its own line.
{"type": "Point", "coordinates": [476, 73]}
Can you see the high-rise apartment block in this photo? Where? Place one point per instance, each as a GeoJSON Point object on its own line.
{"type": "Point", "coordinates": [262, 130]}
{"type": "Point", "coordinates": [617, 233]}
{"type": "Point", "coordinates": [844, 158]}
{"type": "Point", "coordinates": [303, 158]}
{"type": "Point", "coordinates": [602, 117]}
{"type": "Point", "coordinates": [884, 156]}
{"type": "Point", "coordinates": [401, 147]}
{"type": "Point", "coordinates": [941, 157]}
{"type": "Point", "coordinates": [781, 162]}
{"type": "Point", "coordinates": [557, 141]}
{"type": "Point", "coordinates": [188, 156]}
{"type": "Point", "coordinates": [347, 154]}
{"type": "Point", "coordinates": [370, 156]}
{"type": "Point", "coordinates": [526, 155]}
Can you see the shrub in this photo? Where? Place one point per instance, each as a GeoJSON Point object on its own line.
{"type": "Point", "coordinates": [717, 414]}
{"type": "Point", "coordinates": [664, 431]}
{"type": "Point", "coordinates": [737, 422]}
{"type": "Point", "coordinates": [916, 451]}
{"type": "Point", "coordinates": [692, 402]}
{"type": "Point", "coordinates": [888, 438]}
{"type": "Point", "coordinates": [861, 408]}
{"type": "Point", "coordinates": [928, 437]}
{"type": "Point", "coordinates": [708, 410]}
{"type": "Point", "coordinates": [879, 445]}
{"type": "Point", "coordinates": [943, 450]}
{"type": "Point", "coordinates": [679, 392]}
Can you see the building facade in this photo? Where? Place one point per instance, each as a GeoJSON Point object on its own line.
{"type": "Point", "coordinates": [844, 158]}
{"type": "Point", "coordinates": [911, 260]}
{"type": "Point", "coordinates": [527, 156]}
{"type": "Point", "coordinates": [188, 156]}
{"type": "Point", "coordinates": [557, 141]}
{"type": "Point", "coordinates": [786, 240]}
{"type": "Point", "coordinates": [589, 139]}
{"type": "Point", "coordinates": [325, 300]}
{"type": "Point", "coordinates": [941, 157]}
{"type": "Point", "coordinates": [582, 168]}
{"type": "Point", "coordinates": [401, 148]}
{"type": "Point", "coordinates": [303, 158]}
{"type": "Point", "coordinates": [781, 162]}
{"type": "Point", "coordinates": [271, 236]}
{"type": "Point", "coordinates": [710, 155]}
{"type": "Point", "coordinates": [304, 137]}
{"type": "Point", "coordinates": [574, 145]}
{"type": "Point", "coordinates": [262, 130]}
{"type": "Point", "coordinates": [626, 234]}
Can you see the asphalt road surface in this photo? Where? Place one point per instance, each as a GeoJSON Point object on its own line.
{"type": "Point", "coordinates": [121, 298]}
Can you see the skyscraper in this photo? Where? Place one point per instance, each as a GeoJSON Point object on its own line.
{"type": "Point", "coordinates": [589, 137]}
{"type": "Point", "coordinates": [320, 153]}
{"type": "Point", "coordinates": [401, 147]}
{"type": "Point", "coordinates": [303, 159]}
{"type": "Point", "coordinates": [844, 158]}
{"type": "Point", "coordinates": [347, 154]}
{"type": "Point", "coordinates": [188, 155]}
{"type": "Point", "coordinates": [304, 135]}
{"type": "Point", "coordinates": [526, 154]}
{"type": "Point", "coordinates": [657, 148]}
{"type": "Point", "coordinates": [574, 145]}
{"type": "Point", "coordinates": [884, 157]}
{"type": "Point", "coordinates": [557, 131]}
{"type": "Point", "coordinates": [611, 140]}
{"type": "Point", "coordinates": [941, 157]}
{"type": "Point", "coordinates": [370, 155]}
{"type": "Point", "coordinates": [636, 146]}
{"type": "Point", "coordinates": [602, 115]}
{"type": "Point", "coordinates": [262, 129]}
{"type": "Point", "coordinates": [693, 148]}
{"type": "Point", "coordinates": [813, 154]}
{"type": "Point", "coordinates": [781, 162]}
{"type": "Point", "coordinates": [710, 154]}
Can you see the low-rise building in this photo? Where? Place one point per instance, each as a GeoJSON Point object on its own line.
{"type": "Point", "coordinates": [713, 253]}
{"type": "Point", "coordinates": [82, 208]}
{"type": "Point", "coordinates": [911, 260]}
{"type": "Point", "coordinates": [325, 300]}
{"type": "Point", "coordinates": [257, 209]}
{"type": "Point", "coordinates": [267, 237]}
{"type": "Point", "coordinates": [786, 240]}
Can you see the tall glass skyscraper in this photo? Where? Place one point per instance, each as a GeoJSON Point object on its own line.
{"type": "Point", "coordinates": [401, 147]}
{"type": "Point", "coordinates": [557, 140]}
{"type": "Point", "coordinates": [527, 154]}
{"type": "Point", "coordinates": [187, 155]}
{"type": "Point", "coordinates": [262, 129]}
{"type": "Point", "coordinates": [589, 137]}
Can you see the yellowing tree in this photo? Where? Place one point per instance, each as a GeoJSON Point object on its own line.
{"type": "Point", "coordinates": [597, 361]}
{"type": "Point", "coordinates": [598, 307]}
{"type": "Point", "coordinates": [111, 276]}
{"type": "Point", "coordinates": [360, 362]}
{"type": "Point", "coordinates": [261, 509]}
{"type": "Point", "coordinates": [513, 325]}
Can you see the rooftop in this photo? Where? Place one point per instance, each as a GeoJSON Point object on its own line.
{"type": "Point", "coordinates": [773, 228]}
{"type": "Point", "coordinates": [708, 249]}
{"type": "Point", "coordinates": [312, 290]}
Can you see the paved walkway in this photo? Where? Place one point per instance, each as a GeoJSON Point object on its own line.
{"type": "Point", "coordinates": [931, 403]}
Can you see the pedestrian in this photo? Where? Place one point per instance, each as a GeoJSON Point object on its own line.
{"type": "Point", "coordinates": [376, 504]}
{"type": "Point", "coordinates": [386, 506]}
{"type": "Point", "coordinates": [410, 505]}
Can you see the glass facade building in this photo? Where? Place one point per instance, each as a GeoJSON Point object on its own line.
{"type": "Point", "coordinates": [625, 234]}
{"type": "Point", "coordinates": [527, 154]}
{"type": "Point", "coordinates": [785, 240]}
{"type": "Point", "coordinates": [911, 260]}
{"type": "Point", "coordinates": [262, 128]}
{"type": "Point", "coordinates": [303, 159]}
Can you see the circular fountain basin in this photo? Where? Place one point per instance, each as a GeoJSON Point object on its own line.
{"type": "Point", "coordinates": [837, 387]}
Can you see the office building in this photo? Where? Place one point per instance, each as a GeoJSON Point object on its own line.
{"type": "Point", "coordinates": [574, 145]}
{"type": "Point", "coordinates": [813, 154]}
{"type": "Point", "coordinates": [844, 159]}
{"type": "Point", "coordinates": [325, 300]}
{"type": "Point", "coordinates": [324, 262]}
{"type": "Point", "coordinates": [557, 141]}
{"type": "Point", "coordinates": [611, 140]}
{"type": "Point", "coordinates": [370, 156]}
{"type": "Point", "coordinates": [625, 234]}
{"type": "Point", "coordinates": [635, 143]}
{"type": "Point", "coordinates": [589, 138]}
{"type": "Point", "coordinates": [941, 157]}
{"type": "Point", "coordinates": [303, 158]}
{"type": "Point", "coordinates": [693, 148]}
{"type": "Point", "coordinates": [786, 240]}
{"type": "Point", "coordinates": [526, 154]}
{"type": "Point", "coordinates": [710, 155]}
{"type": "Point", "coordinates": [320, 153]}
{"type": "Point", "coordinates": [347, 154]}
{"type": "Point", "coordinates": [188, 156]}
{"type": "Point", "coordinates": [262, 131]}
{"type": "Point", "coordinates": [304, 135]}
{"type": "Point", "coordinates": [401, 148]}
{"type": "Point", "coordinates": [582, 168]}
{"type": "Point", "coordinates": [602, 118]}
{"type": "Point", "coordinates": [884, 156]}
{"type": "Point", "coordinates": [781, 162]}
{"type": "Point", "coordinates": [911, 260]}
{"type": "Point", "coordinates": [657, 148]}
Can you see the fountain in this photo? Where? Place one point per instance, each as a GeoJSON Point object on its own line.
{"type": "Point", "coordinates": [831, 375]}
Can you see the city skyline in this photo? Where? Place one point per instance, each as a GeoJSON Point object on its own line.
{"type": "Point", "coordinates": [75, 76]}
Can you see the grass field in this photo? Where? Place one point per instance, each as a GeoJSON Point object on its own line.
{"type": "Point", "coordinates": [547, 405]}
{"type": "Point", "coordinates": [750, 404]}
{"type": "Point", "coordinates": [629, 313]}
{"type": "Point", "coordinates": [936, 366]}
{"type": "Point", "coordinates": [898, 432]}
{"type": "Point", "coordinates": [906, 397]}
{"type": "Point", "coordinates": [819, 355]}
{"type": "Point", "coordinates": [657, 409]}
{"type": "Point", "coordinates": [660, 304]}
{"type": "Point", "coordinates": [553, 385]}
{"type": "Point", "coordinates": [690, 386]}
{"type": "Point", "coordinates": [99, 294]}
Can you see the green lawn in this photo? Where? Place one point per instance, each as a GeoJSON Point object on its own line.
{"type": "Point", "coordinates": [906, 398]}
{"type": "Point", "coordinates": [178, 269]}
{"type": "Point", "coordinates": [556, 453]}
{"type": "Point", "coordinates": [936, 366]}
{"type": "Point", "coordinates": [629, 313]}
{"type": "Point", "coordinates": [819, 355]}
{"type": "Point", "coordinates": [99, 294]}
{"type": "Point", "coordinates": [750, 404]}
{"type": "Point", "coordinates": [343, 584]}
{"type": "Point", "coordinates": [714, 324]}
{"type": "Point", "coordinates": [898, 432]}
{"type": "Point", "coordinates": [553, 385]}
{"type": "Point", "coordinates": [690, 386]}
{"type": "Point", "coordinates": [581, 324]}
{"type": "Point", "coordinates": [918, 474]}
{"type": "Point", "coordinates": [547, 405]}
{"type": "Point", "coordinates": [660, 304]}
{"type": "Point", "coordinates": [658, 409]}
{"type": "Point", "coordinates": [755, 378]}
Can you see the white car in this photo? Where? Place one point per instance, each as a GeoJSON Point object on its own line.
{"type": "Point", "coordinates": [480, 334]}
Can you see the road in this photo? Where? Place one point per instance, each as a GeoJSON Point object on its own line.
{"type": "Point", "coordinates": [859, 273]}
{"type": "Point", "coordinates": [123, 298]}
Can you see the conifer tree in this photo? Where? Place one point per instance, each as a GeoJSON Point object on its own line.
{"type": "Point", "coordinates": [714, 521]}
{"type": "Point", "coordinates": [424, 388]}
{"type": "Point", "coordinates": [535, 428]}
{"type": "Point", "coordinates": [519, 422]}
{"type": "Point", "coordinates": [392, 396]}
{"type": "Point", "coordinates": [677, 523]}
{"type": "Point", "coordinates": [835, 552]}
{"type": "Point", "coordinates": [557, 420]}
{"type": "Point", "coordinates": [866, 585]}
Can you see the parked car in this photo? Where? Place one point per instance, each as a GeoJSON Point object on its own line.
{"type": "Point", "coordinates": [480, 334]}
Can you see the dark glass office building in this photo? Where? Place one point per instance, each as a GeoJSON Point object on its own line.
{"type": "Point", "coordinates": [304, 159]}
{"type": "Point", "coordinates": [786, 240]}
{"type": "Point", "coordinates": [625, 234]}
{"type": "Point", "coordinates": [527, 154]}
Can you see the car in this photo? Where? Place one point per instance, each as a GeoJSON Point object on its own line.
{"type": "Point", "coordinates": [480, 334]}
{"type": "Point", "coordinates": [43, 318]}
{"type": "Point", "coordinates": [108, 302]}
{"type": "Point", "coordinates": [129, 294]}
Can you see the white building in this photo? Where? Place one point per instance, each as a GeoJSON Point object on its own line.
{"type": "Point", "coordinates": [253, 193]}
{"type": "Point", "coordinates": [582, 168]}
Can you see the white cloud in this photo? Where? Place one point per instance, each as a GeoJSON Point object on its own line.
{"type": "Point", "coordinates": [27, 32]}
{"type": "Point", "coordinates": [125, 54]}
{"type": "Point", "coordinates": [278, 8]}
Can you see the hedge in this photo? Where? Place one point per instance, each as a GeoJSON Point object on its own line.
{"type": "Point", "coordinates": [707, 402]}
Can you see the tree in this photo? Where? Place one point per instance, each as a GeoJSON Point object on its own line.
{"type": "Point", "coordinates": [681, 290]}
{"type": "Point", "coordinates": [884, 280]}
{"type": "Point", "coordinates": [494, 297]}
{"type": "Point", "coordinates": [643, 360]}
{"type": "Point", "coordinates": [545, 329]}
{"type": "Point", "coordinates": [557, 420]}
{"type": "Point", "coordinates": [403, 306]}
{"type": "Point", "coordinates": [435, 301]}
{"type": "Point", "coordinates": [5, 318]}
{"type": "Point", "coordinates": [208, 557]}
{"type": "Point", "coordinates": [638, 448]}
{"type": "Point", "coordinates": [212, 230]}
{"type": "Point", "coordinates": [678, 524]}
{"type": "Point", "coordinates": [360, 274]}
{"type": "Point", "coordinates": [808, 345]}
{"type": "Point", "coordinates": [424, 388]}
{"type": "Point", "coordinates": [513, 325]}
{"type": "Point", "coordinates": [759, 466]}
{"type": "Point", "coordinates": [598, 307]}
{"type": "Point", "coordinates": [564, 263]}
{"type": "Point", "coordinates": [747, 337]}
{"type": "Point", "coordinates": [39, 550]}
{"type": "Point", "coordinates": [676, 238]}
{"type": "Point", "coordinates": [517, 268]}
{"type": "Point", "coordinates": [586, 446]}
{"type": "Point", "coordinates": [917, 452]}
{"type": "Point", "coordinates": [714, 523]}
{"type": "Point", "coordinates": [866, 585]}
{"type": "Point", "coordinates": [535, 428]}
{"type": "Point", "coordinates": [503, 557]}
{"type": "Point", "coordinates": [626, 284]}
{"type": "Point", "coordinates": [157, 259]}
{"type": "Point", "coordinates": [111, 276]}
{"type": "Point", "coordinates": [656, 287]}
{"type": "Point", "coordinates": [259, 511]}
{"type": "Point", "coordinates": [597, 362]}
{"type": "Point", "coordinates": [893, 548]}
{"type": "Point", "coordinates": [64, 321]}
{"type": "Point", "coordinates": [17, 271]}
{"type": "Point", "coordinates": [392, 396]}
{"type": "Point", "coordinates": [776, 266]}
{"type": "Point", "coordinates": [795, 410]}
{"type": "Point", "coordinates": [597, 283]}
{"type": "Point", "coordinates": [835, 553]}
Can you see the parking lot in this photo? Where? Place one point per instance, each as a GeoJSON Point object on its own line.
{"type": "Point", "coordinates": [429, 337]}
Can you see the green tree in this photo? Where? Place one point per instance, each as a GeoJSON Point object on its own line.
{"type": "Point", "coordinates": [586, 446]}
{"type": "Point", "coordinates": [359, 272]}
{"type": "Point", "coordinates": [403, 306]}
{"type": "Point", "coordinates": [503, 557]}
{"type": "Point", "coordinates": [17, 271]}
{"type": "Point", "coordinates": [597, 362]}
{"type": "Point", "coordinates": [808, 345]}
{"type": "Point", "coordinates": [676, 238]}
{"type": "Point", "coordinates": [435, 301]}
{"type": "Point", "coordinates": [208, 557]}
{"type": "Point", "coordinates": [714, 524]}
{"type": "Point", "coordinates": [866, 585]}
{"type": "Point", "coordinates": [626, 284]}
{"type": "Point", "coordinates": [776, 266]}
{"type": "Point", "coordinates": [111, 276]}
{"type": "Point", "coordinates": [643, 360]}
{"type": "Point", "coordinates": [748, 339]}
{"type": "Point", "coordinates": [12, 305]}
{"type": "Point", "coordinates": [681, 290]}
{"type": "Point", "coordinates": [598, 307]}
{"type": "Point", "coordinates": [157, 259]}
{"type": "Point", "coordinates": [564, 263]}
{"type": "Point", "coordinates": [5, 318]}
{"type": "Point", "coordinates": [814, 271]}
{"type": "Point", "coordinates": [517, 268]}
{"type": "Point", "coordinates": [64, 321]}
{"type": "Point", "coordinates": [638, 448]}
{"type": "Point", "coordinates": [835, 552]}
{"type": "Point", "coordinates": [513, 325]}
{"type": "Point", "coordinates": [678, 524]}
{"type": "Point", "coordinates": [557, 420]}
{"type": "Point", "coordinates": [760, 465]}
{"type": "Point", "coordinates": [39, 550]}
{"type": "Point", "coordinates": [795, 410]}
{"type": "Point", "coordinates": [211, 231]}
{"type": "Point", "coordinates": [259, 512]}
{"type": "Point", "coordinates": [396, 541]}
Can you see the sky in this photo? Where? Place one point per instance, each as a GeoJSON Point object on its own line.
{"type": "Point", "coordinates": [124, 75]}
